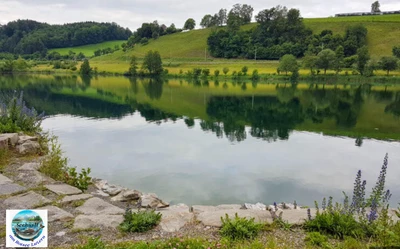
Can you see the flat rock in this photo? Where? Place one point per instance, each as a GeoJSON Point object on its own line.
{"type": "Point", "coordinates": [30, 166]}
{"type": "Point", "coordinates": [97, 221]}
{"type": "Point", "coordinates": [100, 193]}
{"type": "Point", "coordinates": [63, 189]}
{"type": "Point", "coordinates": [33, 178]}
{"type": "Point", "coordinates": [152, 201]}
{"type": "Point", "coordinates": [213, 218]}
{"type": "Point", "coordinates": [296, 216]}
{"type": "Point", "coordinates": [98, 207]}
{"type": "Point", "coordinates": [56, 214]}
{"type": "Point", "coordinates": [71, 198]}
{"type": "Point", "coordinates": [28, 147]}
{"type": "Point", "coordinates": [175, 217]}
{"type": "Point", "coordinates": [10, 188]}
{"type": "Point", "coordinates": [127, 195]}
{"type": "Point", "coordinates": [257, 206]}
{"type": "Point", "coordinates": [12, 138]}
{"type": "Point", "coordinates": [4, 179]}
{"type": "Point", "coordinates": [112, 190]}
{"type": "Point", "coordinates": [26, 201]}
{"type": "Point", "coordinates": [23, 139]}
{"type": "Point", "coordinates": [201, 208]}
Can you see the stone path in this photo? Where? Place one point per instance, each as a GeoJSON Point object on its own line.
{"type": "Point", "coordinates": [71, 210]}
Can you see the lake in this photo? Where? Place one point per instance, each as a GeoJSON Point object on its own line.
{"type": "Point", "coordinates": [208, 142]}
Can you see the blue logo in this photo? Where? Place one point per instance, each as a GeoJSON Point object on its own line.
{"type": "Point", "coordinates": [27, 225]}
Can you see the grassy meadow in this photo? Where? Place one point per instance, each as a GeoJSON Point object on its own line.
{"type": "Point", "coordinates": [87, 50]}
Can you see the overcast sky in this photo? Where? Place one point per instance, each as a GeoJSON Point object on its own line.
{"type": "Point", "coordinates": [131, 13]}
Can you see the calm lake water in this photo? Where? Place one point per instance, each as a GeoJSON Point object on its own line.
{"type": "Point", "coordinates": [222, 142]}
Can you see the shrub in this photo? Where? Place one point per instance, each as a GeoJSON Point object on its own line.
{"type": "Point", "coordinates": [254, 75]}
{"type": "Point", "coordinates": [206, 72]}
{"type": "Point", "coordinates": [93, 243]}
{"type": "Point", "coordinates": [225, 70]}
{"type": "Point", "coordinates": [196, 72]}
{"type": "Point", "coordinates": [55, 165]}
{"type": "Point", "coordinates": [316, 239]}
{"type": "Point", "coordinates": [139, 222]}
{"type": "Point", "coordinates": [144, 41]}
{"type": "Point", "coordinates": [15, 116]}
{"type": "Point", "coordinates": [216, 73]}
{"type": "Point", "coordinates": [244, 70]}
{"type": "Point", "coordinates": [81, 181]}
{"type": "Point", "coordinates": [239, 228]}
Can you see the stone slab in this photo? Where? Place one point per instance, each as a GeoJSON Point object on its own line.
{"type": "Point", "coordinates": [27, 200]}
{"type": "Point", "coordinates": [71, 198]}
{"type": "Point", "coordinates": [33, 178]}
{"type": "Point", "coordinates": [296, 216]}
{"type": "Point", "coordinates": [201, 208]}
{"type": "Point", "coordinates": [10, 188]}
{"type": "Point", "coordinates": [97, 221]}
{"type": "Point", "coordinates": [63, 189]}
{"type": "Point", "coordinates": [175, 218]}
{"type": "Point", "coordinates": [4, 179]}
{"type": "Point", "coordinates": [23, 139]}
{"type": "Point", "coordinates": [56, 214]}
{"type": "Point", "coordinates": [97, 206]}
{"type": "Point", "coordinates": [30, 166]}
{"type": "Point", "coordinates": [213, 218]}
{"type": "Point", "coordinates": [12, 138]}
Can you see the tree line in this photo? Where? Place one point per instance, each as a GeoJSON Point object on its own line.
{"type": "Point", "coordinates": [32, 37]}
{"type": "Point", "coordinates": [279, 31]}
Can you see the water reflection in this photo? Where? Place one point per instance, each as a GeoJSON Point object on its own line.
{"type": "Point", "coordinates": [175, 138]}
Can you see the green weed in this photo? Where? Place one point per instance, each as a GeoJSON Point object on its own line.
{"type": "Point", "coordinates": [139, 222]}
{"type": "Point", "coordinates": [239, 228]}
{"type": "Point", "coordinates": [316, 239]}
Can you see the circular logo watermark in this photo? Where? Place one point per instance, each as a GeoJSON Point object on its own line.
{"type": "Point", "coordinates": [27, 225]}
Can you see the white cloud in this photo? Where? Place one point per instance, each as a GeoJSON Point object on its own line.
{"type": "Point", "coordinates": [131, 13]}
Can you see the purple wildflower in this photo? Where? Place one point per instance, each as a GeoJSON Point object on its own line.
{"type": "Point", "coordinates": [309, 214]}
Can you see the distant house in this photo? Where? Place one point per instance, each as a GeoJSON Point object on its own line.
{"type": "Point", "coordinates": [368, 13]}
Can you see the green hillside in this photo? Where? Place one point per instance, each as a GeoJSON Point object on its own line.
{"type": "Point", "coordinates": [88, 50]}
{"type": "Point", "coordinates": [383, 34]}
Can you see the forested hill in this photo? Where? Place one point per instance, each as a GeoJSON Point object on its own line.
{"type": "Point", "coordinates": [28, 37]}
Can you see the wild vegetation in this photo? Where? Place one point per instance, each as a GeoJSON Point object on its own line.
{"type": "Point", "coordinates": [31, 37]}
{"type": "Point", "coordinates": [140, 221]}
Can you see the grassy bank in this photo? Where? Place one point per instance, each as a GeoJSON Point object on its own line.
{"type": "Point", "coordinates": [87, 50]}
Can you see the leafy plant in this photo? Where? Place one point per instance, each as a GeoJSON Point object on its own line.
{"type": "Point", "coordinates": [81, 181]}
{"type": "Point", "coordinates": [316, 239]}
{"type": "Point", "coordinates": [239, 228]}
{"type": "Point", "coordinates": [93, 243]}
{"type": "Point", "coordinates": [139, 222]}
{"type": "Point", "coordinates": [55, 164]}
{"type": "Point", "coordinates": [15, 116]}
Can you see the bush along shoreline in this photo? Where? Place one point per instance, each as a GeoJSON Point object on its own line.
{"type": "Point", "coordinates": [32, 167]}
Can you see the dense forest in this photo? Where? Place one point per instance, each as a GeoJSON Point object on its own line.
{"type": "Point", "coordinates": [29, 37]}
{"type": "Point", "coordinates": [279, 31]}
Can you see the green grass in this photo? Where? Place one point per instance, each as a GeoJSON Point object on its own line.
{"type": "Point", "coordinates": [188, 47]}
{"type": "Point", "coordinates": [88, 50]}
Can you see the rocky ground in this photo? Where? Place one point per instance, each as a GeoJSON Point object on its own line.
{"type": "Point", "coordinates": [74, 214]}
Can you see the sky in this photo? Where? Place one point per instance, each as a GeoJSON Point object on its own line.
{"type": "Point", "coordinates": [132, 13]}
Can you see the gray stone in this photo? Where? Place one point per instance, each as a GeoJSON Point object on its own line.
{"type": "Point", "coordinates": [28, 147]}
{"type": "Point", "coordinates": [10, 188]}
{"type": "Point", "coordinates": [29, 166]}
{"type": "Point", "coordinates": [33, 178]}
{"type": "Point", "coordinates": [127, 195]}
{"type": "Point", "coordinates": [112, 190]}
{"type": "Point", "coordinates": [213, 218]}
{"type": "Point", "coordinates": [3, 143]}
{"type": "Point", "coordinates": [56, 214]}
{"type": "Point", "coordinates": [99, 183]}
{"type": "Point", "coordinates": [26, 201]}
{"type": "Point", "coordinates": [98, 207]}
{"type": "Point", "coordinates": [100, 193]}
{"type": "Point", "coordinates": [97, 221]}
{"type": "Point", "coordinates": [71, 198]}
{"type": "Point", "coordinates": [4, 179]}
{"type": "Point", "coordinates": [152, 201]}
{"type": "Point", "coordinates": [23, 139]}
{"type": "Point", "coordinates": [175, 217]}
{"type": "Point", "coordinates": [63, 189]}
{"type": "Point", "coordinates": [257, 206]}
{"type": "Point", "coordinates": [201, 208]}
{"type": "Point", "coordinates": [61, 234]}
{"type": "Point", "coordinates": [12, 138]}
{"type": "Point", "coordinates": [296, 216]}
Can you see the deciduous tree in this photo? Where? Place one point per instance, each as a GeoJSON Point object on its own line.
{"type": "Point", "coordinates": [189, 24]}
{"type": "Point", "coordinates": [152, 62]}
{"type": "Point", "coordinates": [288, 63]}
{"type": "Point", "coordinates": [326, 59]}
{"type": "Point", "coordinates": [362, 59]}
{"type": "Point", "coordinates": [388, 64]}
